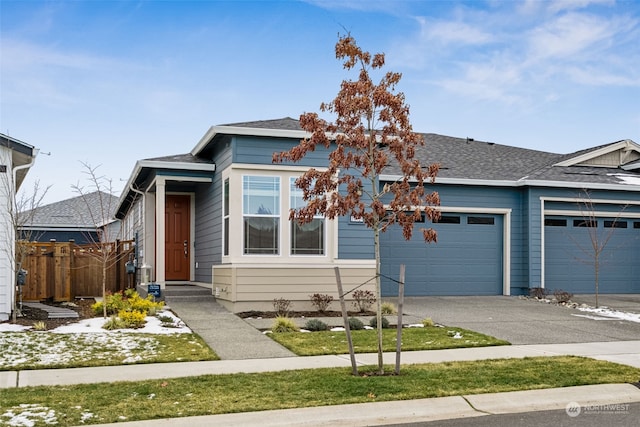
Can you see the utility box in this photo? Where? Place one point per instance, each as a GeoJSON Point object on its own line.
{"type": "Point", "coordinates": [145, 274]}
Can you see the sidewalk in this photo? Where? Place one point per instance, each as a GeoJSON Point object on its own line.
{"type": "Point", "coordinates": [379, 413]}
{"type": "Point", "coordinates": [625, 352]}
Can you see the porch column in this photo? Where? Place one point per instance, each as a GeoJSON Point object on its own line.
{"type": "Point", "coordinates": [160, 231]}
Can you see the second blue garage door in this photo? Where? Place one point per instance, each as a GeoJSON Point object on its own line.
{"type": "Point", "coordinates": [569, 254]}
{"type": "Point", "coordinates": [466, 260]}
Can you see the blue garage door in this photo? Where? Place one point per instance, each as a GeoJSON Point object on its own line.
{"type": "Point", "coordinates": [569, 255]}
{"type": "Point", "coordinates": [467, 260]}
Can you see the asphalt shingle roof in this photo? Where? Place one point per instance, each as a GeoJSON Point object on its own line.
{"type": "Point", "coordinates": [181, 158]}
{"type": "Point", "coordinates": [76, 211]}
{"type": "Point", "coordinates": [464, 158]}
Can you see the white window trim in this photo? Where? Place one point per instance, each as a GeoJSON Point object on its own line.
{"type": "Point", "coordinates": [236, 251]}
{"type": "Point", "coordinates": [279, 215]}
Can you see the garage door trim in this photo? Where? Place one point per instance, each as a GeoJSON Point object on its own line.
{"type": "Point", "coordinates": [559, 212]}
{"type": "Point", "coordinates": [506, 236]}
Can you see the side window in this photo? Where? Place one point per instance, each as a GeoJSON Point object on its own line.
{"type": "Point", "coordinates": [225, 216]}
{"type": "Point", "coordinates": [306, 239]}
{"type": "Point", "coordinates": [261, 214]}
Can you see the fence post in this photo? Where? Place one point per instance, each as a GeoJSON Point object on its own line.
{"type": "Point", "coordinates": [62, 281]}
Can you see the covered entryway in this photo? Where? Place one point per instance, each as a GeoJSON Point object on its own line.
{"type": "Point", "coordinates": [177, 237]}
{"type": "Point", "coordinates": [467, 260]}
{"type": "Point", "coordinates": [569, 254]}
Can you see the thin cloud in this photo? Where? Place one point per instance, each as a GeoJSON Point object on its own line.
{"type": "Point", "coordinates": [562, 5]}
{"type": "Point", "coordinates": [453, 32]}
{"type": "Point", "coordinates": [573, 34]}
{"type": "Point", "coordinates": [525, 58]}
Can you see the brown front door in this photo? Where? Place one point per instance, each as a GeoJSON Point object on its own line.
{"type": "Point", "coordinates": [177, 234]}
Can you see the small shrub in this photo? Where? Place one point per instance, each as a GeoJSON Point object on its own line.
{"type": "Point", "coordinates": [427, 322]}
{"type": "Point", "coordinates": [316, 325]}
{"type": "Point", "coordinates": [130, 301]}
{"type": "Point", "coordinates": [282, 306]}
{"type": "Point", "coordinates": [115, 303]}
{"type": "Point", "coordinates": [355, 324]}
{"type": "Point", "coordinates": [374, 322]}
{"type": "Point", "coordinates": [363, 300]}
{"type": "Point", "coordinates": [163, 318]}
{"type": "Point", "coordinates": [133, 319]}
{"type": "Point", "coordinates": [538, 293]}
{"type": "Point", "coordinates": [388, 308]}
{"type": "Point", "coordinates": [39, 326]}
{"type": "Point", "coordinates": [114, 322]}
{"type": "Point", "coordinates": [321, 301]}
{"type": "Point", "coordinates": [284, 324]}
{"type": "Point", "coordinates": [562, 296]}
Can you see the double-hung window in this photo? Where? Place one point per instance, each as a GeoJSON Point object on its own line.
{"type": "Point", "coordinates": [306, 239]}
{"type": "Point", "coordinates": [261, 214]}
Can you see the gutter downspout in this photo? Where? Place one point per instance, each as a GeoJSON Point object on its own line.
{"type": "Point", "coordinates": [14, 190]}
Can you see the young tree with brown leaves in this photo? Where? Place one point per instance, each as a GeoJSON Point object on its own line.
{"type": "Point", "coordinates": [371, 132]}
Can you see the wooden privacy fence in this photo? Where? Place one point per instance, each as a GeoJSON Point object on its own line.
{"type": "Point", "coordinates": [63, 271]}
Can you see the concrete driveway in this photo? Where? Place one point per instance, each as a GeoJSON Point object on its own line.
{"type": "Point", "coordinates": [522, 321]}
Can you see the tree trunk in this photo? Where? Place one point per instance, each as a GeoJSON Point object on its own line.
{"type": "Point", "coordinates": [376, 245]}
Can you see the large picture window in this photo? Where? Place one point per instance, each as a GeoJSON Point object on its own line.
{"type": "Point", "coordinates": [306, 239]}
{"type": "Point", "coordinates": [261, 214]}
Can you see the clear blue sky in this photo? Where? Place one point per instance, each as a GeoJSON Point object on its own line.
{"type": "Point", "coordinates": [111, 82]}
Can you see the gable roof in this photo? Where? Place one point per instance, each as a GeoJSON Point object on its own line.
{"type": "Point", "coordinates": [616, 154]}
{"type": "Point", "coordinates": [78, 212]}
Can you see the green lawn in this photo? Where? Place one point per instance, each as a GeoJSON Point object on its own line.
{"type": "Point", "coordinates": [217, 394]}
{"type": "Point", "coordinates": [43, 350]}
{"type": "Point", "coordinates": [365, 341]}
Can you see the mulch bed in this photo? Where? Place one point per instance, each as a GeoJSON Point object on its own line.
{"type": "Point", "coordinates": [306, 314]}
{"type": "Point", "coordinates": [31, 315]}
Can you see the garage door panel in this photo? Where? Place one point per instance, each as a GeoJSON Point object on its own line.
{"type": "Point", "coordinates": [466, 260]}
{"type": "Point", "coordinates": [570, 258]}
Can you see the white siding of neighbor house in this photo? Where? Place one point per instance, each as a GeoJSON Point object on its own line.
{"type": "Point", "coordinates": [6, 236]}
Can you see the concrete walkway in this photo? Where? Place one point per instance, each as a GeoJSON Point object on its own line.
{"type": "Point", "coordinates": [228, 335]}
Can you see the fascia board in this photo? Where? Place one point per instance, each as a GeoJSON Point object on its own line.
{"type": "Point", "coordinates": [582, 185]}
{"type": "Point", "coordinates": [16, 145]}
{"type": "Point", "coordinates": [458, 181]}
{"type": "Point", "coordinates": [245, 131]}
{"type": "Point", "coordinates": [524, 183]}
{"type": "Point", "coordinates": [158, 164]}
{"type": "Point", "coordinates": [127, 188]}
{"type": "Point", "coordinates": [57, 227]}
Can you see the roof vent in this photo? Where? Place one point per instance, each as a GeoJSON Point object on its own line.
{"type": "Point", "coordinates": [470, 140]}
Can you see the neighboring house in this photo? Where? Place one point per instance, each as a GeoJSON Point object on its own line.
{"type": "Point", "coordinates": [510, 220]}
{"type": "Point", "coordinates": [16, 157]}
{"type": "Point", "coordinates": [77, 219]}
